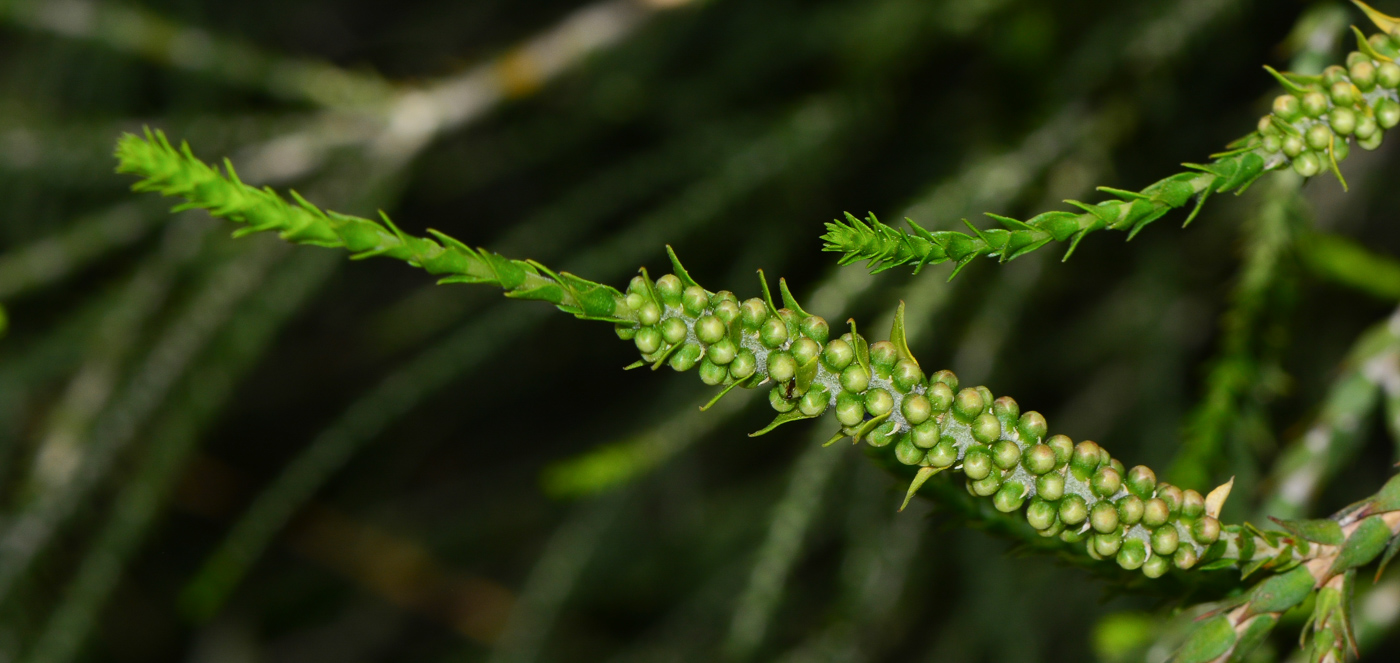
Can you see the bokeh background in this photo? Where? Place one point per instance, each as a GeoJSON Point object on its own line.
{"type": "Point", "coordinates": [234, 451]}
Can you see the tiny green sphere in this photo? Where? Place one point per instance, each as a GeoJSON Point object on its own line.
{"type": "Point", "coordinates": [777, 397]}
{"type": "Point", "coordinates": [926, 434]}
{"type": "Point", "coordinates": [648, 340]}
{"type": "Point", "coordinates": [1032, 427]}
{"type": "Point", "coordinates": [1341, 149]}
{"type": "Point", "coordinates": [669, 288]}
{"type": "Point", "coordinates": [906, 375]}
{"type": "Point", "coordinates": [815, 328]}
{"type": "Point", "coordinates": [723, 352]}
{"type": "Point", "coordinates": [1318, 137]}
{"type": "Point", "coordinates": [943, 454]}
{"type": "Point", "coordinates": [1114, 463]}
{"type": "Point", "coordinates": [1372, 143]}
{"type": "Point", "coordinates": [1307, 164]}
{"type": "Point", "coordinates": [708, 329]}
{"type": "Point", "coordinates": [804, 350]}
{"type": "Point", "coordinates": [752, 313]}
{"type": "Point", "coordinates": [1106, 481]}
{"type": "Point", "coordinates": [1343, 93]}
{"type": "Point", "coordinates": [883, 435]}
{"type": "Point", "coordinates": [849, 409]}
{"type": "Point", "coordinates": [1132, 555]}
{"type": "Point", "coordinates": [1141, 481]}
{"type": "Point", "coordinates": [727, 311]}
{"type": "Point", "coordinates": [1193, 505]}
{"type": "Point", "coordinates": [940, 397]}
{"type": "Point", "coordinates": [1287, 107]}
{"type": "Point", "coordinates": [626, 331]}
{"type": "Point", "coordinates": [1071, 535]}
{"type": "Point", "coordinates": [781, 366]}
{"type": "Point", "coordinates": [1184, 558]}
{"type": "Point", "coordinates": [1006, 409]}
{"type": "Point", "coordinates": [814, 402]}
{"type": "Point", "coordinates": [985, 428]}
{"type": "Point", "coordinates": [1006, 454]}
{"type": "Point", "coordinates": [1165, 540]}
{"type": "Point", "coordinates": [1380, 42]}
{"type": "Point", "coordinates": [1355, 57]}
{"type": "Point", "coordinates": [1039, 459]}
{"type": "Point", "coordinates": [1171, 495]}
{"type": "Point", "coordinates": [722, 296]}
{"type": "Point", "coordinates": [1314, 104]}
{"type": "Point", "coordinates": [1040, 514]}
{"type": "Point", "coordinates": [743, 366]}
{"type": "Point", "coordinates": [694, 300]}
{"type": "Point", "coordinates": [1010, 497]}
{"type": "Point", "coordinates": [1130, 510]}
{"type": "Point", "coordinates": [1206, 530]}
{"type": "Point", "coordinates": [1387, 113]}
{"type": "Point", "coordinates": [1103, 517]}
{"type": "Point", "coordinates": [946, 377]}
{"type": "Point", "coordinates": [1063, 447]}
{"type": "Point", "coordinates": [1343, 121]}
{"type": "Point", "coordinates": [916, 409]}
{"type": "Point", "coordinates": [773, 333]}
{"type": "Point", "coordinates": [1388, 75]}
{"type": "Point", "coordinates": [1073, 510]}
{"type": "Point", "coordinates": [883, 356]}
{"type": "Point", "coordinates": [878, 402]}
{"type": "Point", "coordinates": [968, 404]}
{"type": "Point", "coordinates": [649, 314]}
{"type": "Point", "coordinates": [638, 285]}
{"type": "Point", "coordinates": [1156, 566]}
{"type": "Point", "coordinates": [635, 300]}
{"type": "Point", "coordinates": [1050, 486]}
{"type": "Point", "coordinates": [1266, 127]}
{"type": "Point", "coordinates": [1366, 127]}
{"type": "Point", "coordinates": [986, 395]}
{"type": "Point", "coordinates": [987, 486]}
{"type": "Point", "coordinates": [1107, 545]}
{"type": "Point", "coordinates": [1333, 74]}
{"type": "Point", "coordinates": [1053, 530]}
{"type": "Point", "coordinates": [908, 454]}
{"type": "Point", "coordinates": [854, 379]}
{"type": "Point", "coordinates": [1362, 72]}
{"type": "Point", "coordinates": [1294, 146]}
{"type": "Point", "coordinates": [1155, 513]}
{"type": "Point", "coordinates": [1272, 144]}
{"type": "Point", "coordinates": [712, 373]}
{"type": "Point", "coordinates": [977, 464]}
{"type": "Point", "coordinates": [1085, 459]}
{"type": "Point", "coordinates": [838, 355]}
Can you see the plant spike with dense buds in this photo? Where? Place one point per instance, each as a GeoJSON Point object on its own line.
{"type": "Point", "coordinates": [1310, 128]}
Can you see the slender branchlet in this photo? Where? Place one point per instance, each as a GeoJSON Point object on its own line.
{"type": "Point", "coordinates": [1310, 128]}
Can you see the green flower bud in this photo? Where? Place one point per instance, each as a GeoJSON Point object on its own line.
{"type": "Point", "coordinates": [722, 296]}
{"type": "Point", "coordinates": [694, 300]}
{"type": "Point", "coordinates": [1107, 545]}
{"type": "Point", "coordinates": [850, 409]}
{"type": "Point", "coordinates": [1010, 497]}
{"type": "Point", "coordinates": [943, 454]}
{"type": "Point", "coordinates": [1206, 530]}
{"type": "Point", "coordinates": [940, 397]}
{"type": "Point", "coordinates": [854, 379]}
{"type": "Point", "coordinates": [669, 288]}
{"type": "Point", "coordinates": [1006, 454]}
{"type": "Point", "coordinates": [1363, 73]}
{"type": "Point", "coordinates": [1006, 409]}
{"type": "Point", "coordinates": [1307, 164]}
{"type": "Point", "coordinates": [1155, 567]}
{"type": "Point", "coordinates": [1114, 463]}
{"type": "Point", "coordinates": [1355, 57]}
{"type": "Point", "coordinates": [1293, 145]}
{"type": "Point", "coordinates": [878, 402]}
{"type": "Point", "coordinates": [712, 373]}
{"type": "Point", "coordinates": [638, 286]}
{"type": "Point", "coordinates": [753, 313]}
{"type": "Point", "coordinates": [727, 311]}
{"type": "Point", "coordinates": [781, 366]}
{"type": "Point", "coordinates": [635, 300]}
{"type": "Point", "coordinates": [814, 402]}
{"type": "Point", "coordinates": [906, 375]}
{"type": "Point", "coordinates": [1341, 149]}
{"type": "Point", "coordinates": [1372, 143]}
{"type": "Point", "coordinates": [1103, 517]}
{"type": "Point", "coordinates": [1063, 448]}
{"type": "Point", "coordinates": [1106, 481]}
{"type": "Point", "coordinates": [804, 350]}
{"type": "Point", "coordinates": [1387, 113]}
{"type": "Point", "coordinates": [1366, 127]}
{"type": "Point", "coordinates": [1171, 495]}
{"type": "Point", "coordinates": [1085, 459]}
{"type": "Point", "coordinates": [977, 464]}
{"type": "Point", "coordinates": [986, 395]}
{"type": "Point", "coordinates": [838, 355]}
{"type": "Point", "coordinates": [1073, 510]}
{"type": "Point", "coordinates": [908, 454]}
{"type": "Point", "coordinates": [1184, 558]}
{"type": "Point", "coordinates": [946, 377]}
{"type": "Point", "coordinates": [1272, 144]}
{"type": "Point", "coordinates": [1266, 126]}
{"type": "Point", "coordinates": [883, 354]}
{"type": "Point", "coordinates": [1032, 427]}
{"type": "Point", "coordinates": [987, 486]}
{"type": "Point", "coordinates": [1314, 104]}
{"type": "Point", "coordinates": [1343, 93]}
{"type": "Point", "coordinates": [773, 333]}
{"type": "Point", "coordinates": [648, 340]}
{"type": "Point", "coordinates": [986, 428]}
{"type": "Point", "coordinates": [1132, 555]}
{"type": "Point", "coordinates": [1388, 75]}
{"type": "Point", "coordinates": [1050, 486]}
{"type": "Point", "coordinates": [1318, 137]}
{"type": "Point", "coordinates": [1287, 107]}
{"type": "Point", "coordinates": [626, 331]}
{"type": "Point", "coordinates": [744, 365]}
{"type": "Point", "coordinates": [708, 329]}
{"type": "Point", "coordinates": [968, 404]}
{"type": "Point", "coordinates": [649, 314]}
{"type": "Point", "coordinates": [883, 435]}
{"type": "Point", "coordinates": [925, 434]}
{"type": "Point", "coordinates": [777, 397]}
{"type": "Point", "coordinates": [1130, 510]}
{"type": "Point", "coordinates": [1165, 540]}
{"type": "Point", "coordinates": [1192, 504]}
{"type": "Point", "coordinates": [1141, 481]}
{"type": "Point", "coordinates": [815, 328]}
{"type": "Point", "coordinates": [1333, 74]}
{"type": "Point", "coordinates": [916, 409]}
{"type": "Point", "coordinates": [723, 352]}
{"type": "Point", "coordinates": [1039, 459]}
{"type": "Point", "coordinates": [1155, 513]}
{"type": "Point", "coordinates": [1041, 514]}
{"type": "Point", "coordinates": [1071, 535]}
